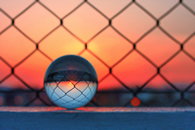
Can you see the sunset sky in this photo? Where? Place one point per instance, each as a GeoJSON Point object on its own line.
{"type": "Point", "coordinates": [109, 46]}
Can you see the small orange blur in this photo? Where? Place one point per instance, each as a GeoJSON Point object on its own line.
{"type": "Point", "coordinates": [135, 102]}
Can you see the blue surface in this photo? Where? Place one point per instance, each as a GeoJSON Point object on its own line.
{"type": "Point", "coordinates": [143, 119]}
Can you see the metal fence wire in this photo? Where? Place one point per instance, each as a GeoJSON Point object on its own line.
{"type": "Point", "coordinates": [106, 98]}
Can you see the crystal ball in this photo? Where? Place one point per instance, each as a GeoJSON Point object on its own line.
{"type": "Point", "coordinates": [70, 81]}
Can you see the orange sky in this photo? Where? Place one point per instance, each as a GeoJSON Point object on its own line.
{"type": "Point", "coordinates": [108, 46]}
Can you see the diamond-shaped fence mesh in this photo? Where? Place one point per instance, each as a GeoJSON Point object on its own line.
{"type": "Point", "coordinates": [103, 25]}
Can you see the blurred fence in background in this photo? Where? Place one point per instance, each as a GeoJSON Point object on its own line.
{"type": "Point", "coordinates": [138, 95]}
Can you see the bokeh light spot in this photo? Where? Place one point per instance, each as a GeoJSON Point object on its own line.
{"type": "Point", "coordinates": [103, 100]}
{"type": "Point", "coordinates": [1, 101]}
{"type": "Point", "coordinates": [135, 102]}
{"type": "Point", "coordinates": [18, 100]}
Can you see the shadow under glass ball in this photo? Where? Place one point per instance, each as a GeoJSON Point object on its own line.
{"type": "Point", "coordinates": [70, 81]}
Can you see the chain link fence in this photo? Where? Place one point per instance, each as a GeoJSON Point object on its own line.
{"type": "Point", "coordinates": [130, 97]}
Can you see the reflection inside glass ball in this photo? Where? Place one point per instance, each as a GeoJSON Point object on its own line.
{"type": "Point", "coordinates": [70, 81]}
{"type": "Point", "coordinates": [70, 95]}
{"type": "Point", "coordinates": [70, 88]}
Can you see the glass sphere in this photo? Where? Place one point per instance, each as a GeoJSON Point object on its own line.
{"type": "Point", "coordinates": [70, 81]}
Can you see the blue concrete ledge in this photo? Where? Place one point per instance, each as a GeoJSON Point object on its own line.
{"type": "Point", "coordinates": [91, 118]}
